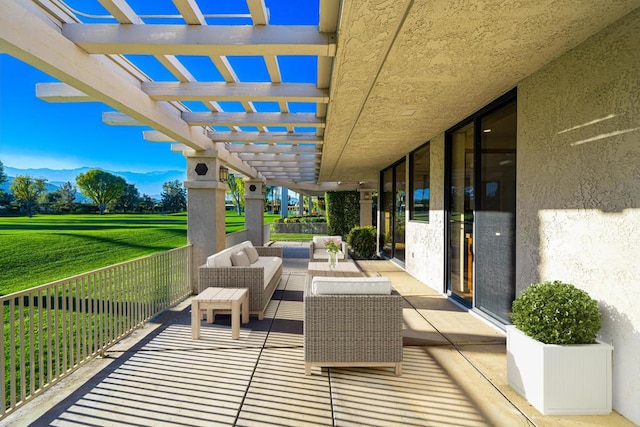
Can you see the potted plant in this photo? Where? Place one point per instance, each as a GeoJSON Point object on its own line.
{"type": "Point", "coordinates": [332, 248]}
{"type": "Point", "coordinates": [553, 358]}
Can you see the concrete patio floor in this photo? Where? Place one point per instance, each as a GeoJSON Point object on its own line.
{"type": "Point", "coordinates": [453, 372]}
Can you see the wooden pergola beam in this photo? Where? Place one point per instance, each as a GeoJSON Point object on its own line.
{"type": "Point", "coordinates": [270, 137]}
{"type": "Point", "coordinates": [190, 12]}
{"type": "Point", "coordinates": [272, 149]}
{"type": "Point", "coordinates": [218, 91]}
{"type": "Point", "coordinates": [252, 119]}
{"type": "Point", "coordinates": [202, 40]}
{"type": "Point", "coordinates": [280, 157]}
{"type": "Point", "coordinates": [259, 12]}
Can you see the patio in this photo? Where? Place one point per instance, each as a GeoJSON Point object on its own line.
{"type": "Point", "coordinates": [453, 372]}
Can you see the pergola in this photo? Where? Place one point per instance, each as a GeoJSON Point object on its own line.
{"type": "Point", "coordinates": [390, 75]}
{"type": "Point", "coordinates": [89, 55]}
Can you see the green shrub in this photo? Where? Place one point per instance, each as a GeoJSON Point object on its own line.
{"type": "Point", "coordinates": [557, 313]}
{"type": "Point", "coordinates": [362, 241]}
{"type": "Point", "coordinates": [313, 218]}
{"type": "Point", "coordinates": [303, 219]}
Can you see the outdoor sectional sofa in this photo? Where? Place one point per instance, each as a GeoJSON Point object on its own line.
{"type": "Point", "coordinates": [229, 269]}
{"type": "Point", "coordinates": [352, 322]}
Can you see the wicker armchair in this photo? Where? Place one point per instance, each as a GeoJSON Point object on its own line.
{"type": "Point", "coordinates": [352, 330]}
{"type": "Point", "coordinates": [317, 251]}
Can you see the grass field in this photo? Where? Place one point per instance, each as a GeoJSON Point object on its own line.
{"type": "Point", "coordinates": [39, 250]}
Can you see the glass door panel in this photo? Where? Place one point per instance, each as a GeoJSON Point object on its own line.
{"type": "Point", "coordinates": [461, 200]}
{"type": "Point", "coordinates": [386, 225]}
{"type": "Point", "coordinates": [495, 214]}
{"type": "Point", "coordinates": [400, 210]}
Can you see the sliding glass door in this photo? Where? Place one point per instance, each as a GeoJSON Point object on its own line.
{"type": "Point", "coordinates": [495, 219]}
{"type": "Point", "coordinates": [461, 208]}
{"type": "Point", "coordinates": [393, 210]}
{"type": "Point", "coordinates": [481, 201]}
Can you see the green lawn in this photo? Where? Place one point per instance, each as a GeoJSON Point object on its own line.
{"type": "Point", "coordinates": [291, 237]}
{"type": "Point", "coordinates": [38, 250]}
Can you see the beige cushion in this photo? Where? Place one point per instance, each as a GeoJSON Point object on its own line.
{"type": "Point", "coordinates": [221, 259]}
{"type": "Point", "coordinates": [270, 265]}
{"type": "Point", "coordinates": [240, 259]}
{"type": "Point", "coordinates": [252, 253]}
{"type": "Point", "coordinates": [351, 286]}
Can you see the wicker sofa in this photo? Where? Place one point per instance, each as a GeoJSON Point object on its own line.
{"type": "Point", "coordinates": [317, 251]}
{"type": "Point", "coordinates": [341, 328]}
{"type": "Point", "coordinates": [260, 277]}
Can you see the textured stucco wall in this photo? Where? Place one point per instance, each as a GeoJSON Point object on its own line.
{"type": "Point", "coordinates": [578, 209]}
{"type": "Point", "coordinates": [424, 258]}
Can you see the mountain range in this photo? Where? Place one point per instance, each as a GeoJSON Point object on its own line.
{"type": "Point", "coordinates": [149, 183]}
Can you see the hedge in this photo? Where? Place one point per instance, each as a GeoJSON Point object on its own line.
{"type": "Point", "coordinates": [343, 211]}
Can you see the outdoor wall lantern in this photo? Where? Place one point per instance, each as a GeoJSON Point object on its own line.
{"type": "Point", "coordinates": [223, 174]}
{"type": "Point", "coordinates": [201, 169]}
{"type": "Point", "coordinates": [252, 187]}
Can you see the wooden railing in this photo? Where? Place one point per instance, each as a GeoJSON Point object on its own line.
{"type": "Point", "coordinates": [51, 330]}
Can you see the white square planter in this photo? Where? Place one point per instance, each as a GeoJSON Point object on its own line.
{"type": "Point", "coordinates": [560, 379]}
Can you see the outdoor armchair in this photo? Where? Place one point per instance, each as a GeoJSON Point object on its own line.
{"type": "Point", "coordinates": [361, 329]}
{"type": "Point", "coordinates": [318, 252]}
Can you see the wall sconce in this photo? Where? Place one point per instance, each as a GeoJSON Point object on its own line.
{"type": "Point", "coordinates": [367, 195]}
{"type": "Point", "coordinates": [223, 174]}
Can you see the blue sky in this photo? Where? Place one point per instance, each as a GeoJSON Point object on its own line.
{"type": "Point", "coordinates": [37, 134]}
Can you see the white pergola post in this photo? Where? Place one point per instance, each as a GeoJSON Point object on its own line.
{"type": "Point", "coordinates": [366, 205]}
{"type": "Point", "coordinates": [254, 211]}
{"type": "Point", "coordinates": [301, 204]}
{"type": "Point", "coordinates": [284, 202]}
{"type": "Point", "coordinates": [205, 208]}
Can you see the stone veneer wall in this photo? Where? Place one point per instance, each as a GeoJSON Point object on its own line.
{"type": "Point", "coordinates": [578, 206]}
{"type": "Point", "coordinates": [300, 227]}
{"type": "Point", "coordinates": [424, 257]}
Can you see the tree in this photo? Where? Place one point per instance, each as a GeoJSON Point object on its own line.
{"type": "Point", "coordinates": [174, 197]}
{"type": "Point", "coordinates": [3, 176]}
{"type": "Point", "coordinates": [50, 201]}
{"type": "Point", "coordinates": [100, 186]}
{"type": "Point", "coordinates": [4, 196]}
{"type": "Point", "coordinates": [147, 204]}
{"type": "Point", "coordinates": [129, 199]}
{"type": "Point", "coordinates": [268, 191]}
{"type": "Point", "coordinates": [67, 196]}
{"type": "Point", "coordinates": [236, 188]}
{"type": "Point", "coordinates": [27, 190]}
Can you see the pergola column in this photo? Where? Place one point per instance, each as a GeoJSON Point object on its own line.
{"type": "Point", "coordinates": [205, 208]}
{"type": "Point", "coordinates": [301, 204]}
{"type": "Point", "coordinates": [366, 206]}
{"type": "Point", "coordinates": [254, 211]}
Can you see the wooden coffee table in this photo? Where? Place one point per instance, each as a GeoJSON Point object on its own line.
{"type": "Point", "coordinates": [343, 269]}
{"type": "Point", "coordinates": [228, 299]}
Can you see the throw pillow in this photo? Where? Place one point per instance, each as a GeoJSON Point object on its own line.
{"type": "Point", "coordinates": [240, 259]}
{"type": "Point", "coordinates": [252, 253]}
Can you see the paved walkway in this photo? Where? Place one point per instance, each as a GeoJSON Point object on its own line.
{"type": "Point", "coordinates": [453, 373]}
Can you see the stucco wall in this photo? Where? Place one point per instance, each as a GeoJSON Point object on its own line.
{"type": "Point", "coordinates": [578, 208]}
{"type": "Point", "coordinates": [424, 258]}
